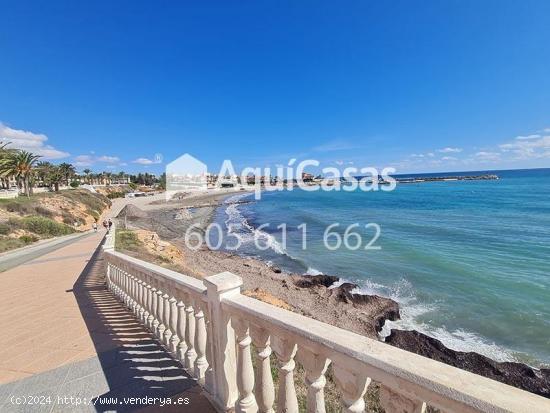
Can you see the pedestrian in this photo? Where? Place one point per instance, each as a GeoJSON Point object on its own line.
{"type": "Point", "coordinates": [94, 226]}
{"type": "Point", "coordinates": [110, 224]}
{"type": "Point", "coordinates": [105, 225]}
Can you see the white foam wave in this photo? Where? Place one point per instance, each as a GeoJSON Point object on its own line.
{"type": "Point", "coordinates": [238, 226]}
{"type": "Point", "coordinates": [411, 310]}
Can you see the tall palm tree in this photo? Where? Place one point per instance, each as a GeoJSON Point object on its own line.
{"type": "Point", "coordinates": [68, 171]}
{"type": "Point", "coordinates": [20, 164]}
{"type": "Point", "coordinates": [87, 173]}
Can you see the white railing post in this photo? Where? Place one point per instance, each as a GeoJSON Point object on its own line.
{"type": "Point", "coordinates": [182, 344]}
{"type": "Point", "coordinates": [218, 287]}
{"type": "Point", "coordinates": [265, 390]}
{"type": "Point", "coordinates": [315, 366]}
{"type": "Point", "coordinates": [174, 339]}
{"type": "Point", "coordinates": [285, 350]}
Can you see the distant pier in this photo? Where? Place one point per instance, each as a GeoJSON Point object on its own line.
{"type": "Point", "coordinates": [412, 180]}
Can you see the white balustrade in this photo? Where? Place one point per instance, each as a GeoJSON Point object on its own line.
{"type": "Point", "coordinates": [215, 332]}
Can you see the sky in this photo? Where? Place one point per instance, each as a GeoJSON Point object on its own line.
{"type": "Point", "coordinates": [422, 86]}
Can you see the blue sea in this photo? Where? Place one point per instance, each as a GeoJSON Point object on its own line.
{"type": "Point", "coordinates": [468, 261]}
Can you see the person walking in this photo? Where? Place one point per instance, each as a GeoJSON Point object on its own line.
{"type": "Point", "coordinates": [94, 226]}
{"type": "Point", "coordinates": [110, 224]}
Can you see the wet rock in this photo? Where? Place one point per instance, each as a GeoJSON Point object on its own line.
{"type": "Point", "coordinates": [309, 281]}
{"type": "Point", "coordinates": [515, 374]}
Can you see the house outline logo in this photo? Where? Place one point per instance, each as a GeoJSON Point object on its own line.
{"type": "Point", "coordinates": [185, 174]}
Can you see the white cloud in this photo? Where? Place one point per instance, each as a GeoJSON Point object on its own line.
{"type": "Point", "coordinates": [88, 160]}
{"type": "Point", "coordinates": [29, 141]}
{"type": "Point", "coordinates": [145, 161]}
{"type": "Point", "coordinates": [83, 160]}
{"type": "Point", "coordinates": [109, 159]}
{"type": "Point", "coordinates": [449, 158]}
{"type": "Point", "coordinates": [487, 156]}
{"type": "Point", "coordinates": [450, 150]}
{"type": "Point", "coordinates": [524, 138]}
{"type": "Point", "coordinates": [532, 148]}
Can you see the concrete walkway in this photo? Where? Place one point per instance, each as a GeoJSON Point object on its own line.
{"type": "Point", "coordinates": [64, 335]}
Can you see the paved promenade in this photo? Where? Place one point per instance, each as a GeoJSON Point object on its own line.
{"type": "Point", "coordinates": [64, 335]}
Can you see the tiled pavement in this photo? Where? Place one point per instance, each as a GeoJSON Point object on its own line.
{"type": "Point", "coordinates": [64, 335]}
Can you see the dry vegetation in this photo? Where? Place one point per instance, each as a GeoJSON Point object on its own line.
{"type": "Point", "coordinates": [24, 220]}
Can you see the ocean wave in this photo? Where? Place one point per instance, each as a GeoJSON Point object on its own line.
{"type": "Point", "coordinates": [237, 225]}
{"type": "Point", "coordinates": [411, 310]}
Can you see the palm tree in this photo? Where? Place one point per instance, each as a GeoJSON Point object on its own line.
{"type": "Point", "coordinates": [87, 173]}
{"type": "Point", "coordinates": [68, 171]}
{"type": "Point", "coordinates": [4, 175]}
{"type": "Point", "coordinates": [20, 164]}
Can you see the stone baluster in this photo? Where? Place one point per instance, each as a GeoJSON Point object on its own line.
{"type": "Point", "coordinates": [245, 372]}
{"type": "Point", "coordinates": [159, 332]}
{"type": "Point", "coordinates": [153, 320]}
{"type": "Point", "coordinates": [393, 402]}
{"type": "Point", "coordinates": [118, 276]}
{"type": "Point", "coordinates": [265, 390]}
{"type": "Point", "coordinates": [190, 354]}
{"type": "Point", "coordinates": [285, 350]}
{"type": "Point", "coordinates": [148, 320]}
{"type": "Point", "coordinates": [182, 345]}
{"type": "Point", "coordinates": [119, 284]}
{"type": "Point", "coordinates": [141, 301]}
{"type": "Point", "coordinates": [132, 289]}
{"type": "Point", "coordinates": [108, 277]}
{"type": "Point", "coordinates": [174, 339]}
{"type": "Point", "coordinates": [166, 320]}
{"type": "Point", "coordinates": [137, 301]}
{"type": "Point", "coordinates": [145, 294]}
{"type": "Point", "coordinates": [209, 378]}
{"type": "Point", "coordinates": [220, 287]}
{"type": "Point", "coordinates": [353, 387]}
{"type": "Point", "coordinates": [201, 364]}
{"type": "Point", "coordinates": [125, 282]}
{"type": "Point", "coordinates": [315, 366]}
{"type": "Point", "coordinates": [127, 296]}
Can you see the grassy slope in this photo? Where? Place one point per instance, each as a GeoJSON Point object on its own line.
{"type": "Point", "coordinates": [24, 220]}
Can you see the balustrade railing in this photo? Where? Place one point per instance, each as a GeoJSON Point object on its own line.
{"type": "Point", "coordinates": [226, 340]}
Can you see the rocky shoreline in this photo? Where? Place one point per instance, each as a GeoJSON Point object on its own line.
{"type": "Point", "coordinates": [325, 298]}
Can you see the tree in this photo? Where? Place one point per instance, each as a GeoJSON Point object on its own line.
{"type": "Point", "coordinates": [20, 164]}
{"type": "Point", "coordinates": [87, 173]}
{"type": "Point", "coordinates": [68, 171]}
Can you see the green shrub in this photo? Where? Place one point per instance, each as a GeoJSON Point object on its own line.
{"type": "Point", "coordinates": [45, 212]}
{"type": "Point", "coordinates": [5, 229]}
{"type": "Point", "coordinates": [74, 184]}
{"type": "Point", "coordinates": [7, 243]}
{"type": "Point", "coordinates": [116, 194]}
{"type": "Point", "coordinates": [28, 239]}
{"type": "Point", "coordinates": [127, 240]}
{"type": "Point", "coordinates": [45, 226]}
{"type": "Point", "coordinates": [94, 214]}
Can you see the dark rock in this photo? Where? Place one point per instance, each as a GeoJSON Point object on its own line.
{"type": "Point", "coordinates": [309, 281]}
{"type": "Point", "coordinates": [515, 374]}
{"type": "Point", "coordinates": [389, 309]}
{"type": "Point", "coordinates": [275, 269]}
